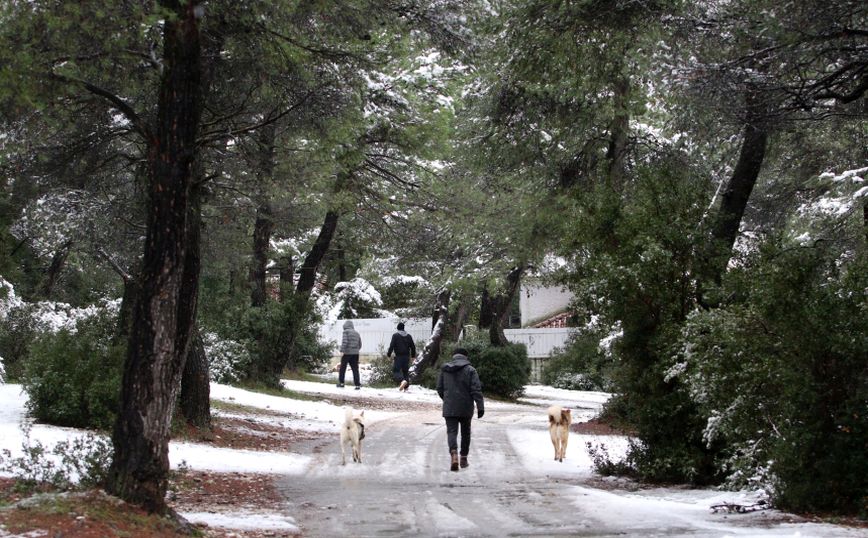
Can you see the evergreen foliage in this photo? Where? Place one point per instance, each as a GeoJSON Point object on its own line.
{"type": "Point", "coordinates": [783, 378]}
{"type": "Point", "coordinates": [580, 365]}
{"type": "Point", "coordinates": [59, 375]}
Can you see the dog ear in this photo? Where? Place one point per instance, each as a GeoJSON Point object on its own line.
{"type": "Point", "coordinates": [361, 413]}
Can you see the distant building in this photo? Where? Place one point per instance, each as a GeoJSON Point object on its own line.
{"type": "Point", "coordinates": [543, 305]}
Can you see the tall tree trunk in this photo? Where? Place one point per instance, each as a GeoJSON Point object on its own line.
{"type": "Point", "coordinates": [457, 326]}
{"type": "Point", "coordinates": [287, 272]}
{"type": "Point", "coordinates": [195, 396]}
{"type": "Point", "coordinates": [52, 272]}
{"type": "Point", "coordinates": [718, 251]}
{"type": "Point", "coordinates": [501, 306]}
{"type": "Point", "coordinates": [195, 399]}
{"type": "Point", "coordinates": [485, 316]}
{"type": "Point", "coordinates": [164, 314]}
{"type": "Point", "coordinates": [619, 129]}
{"type": "Point", "coordinates": [262, 230]}
{"type": "Point", "coordinates": [307, 273]}
{"type": "Point", "coordinates": [428, 357]}
{"type": "Point", "coordinates": [263, 227]}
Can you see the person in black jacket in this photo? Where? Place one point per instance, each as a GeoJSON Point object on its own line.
{"type": "Point", "coordinates": [459, 387]}
{"type": "Point", "coordinates": [404, 348]}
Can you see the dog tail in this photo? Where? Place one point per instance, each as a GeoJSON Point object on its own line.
{"type": "Point", "coordinates": [554, 414]}
{"type": "Point", "coordinates": [348, 415]}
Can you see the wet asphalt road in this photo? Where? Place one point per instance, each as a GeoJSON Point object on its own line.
{"type": "Point", "coordinates": [404, 487]}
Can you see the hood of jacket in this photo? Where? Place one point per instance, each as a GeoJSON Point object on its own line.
{"type": "Point", "coordinates": [458, 362]}
{"type": "Point", "coordinates": [402, 333]}
{"type": "Point", "coordinates": [348, 324]}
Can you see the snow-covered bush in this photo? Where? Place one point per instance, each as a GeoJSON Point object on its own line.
{"type": "Point", "coordinates": [401, 293]}
{"type": "Point", "coordinates": [21, 323]}
{"type": "Point", "coordinates": [60, 375]}
{"type": "Point", "coordinates": [228, 359]}
{"type": "Point", "coordinates": [782, 377]}
{"type": "Point", "coordinates": [357, 299]}
{"type": "Point", "coordinates": [80, 462]}
{"type": "Point", "coordinates": [2, 372]}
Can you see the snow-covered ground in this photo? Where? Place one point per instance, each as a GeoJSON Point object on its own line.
{"type": "Point", "coordinates": [536, 489]}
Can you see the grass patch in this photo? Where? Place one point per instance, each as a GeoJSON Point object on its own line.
{"type": "Point", "coordinates": [262, 388]}
{"type": "Point", "coordinates": [90, 513]}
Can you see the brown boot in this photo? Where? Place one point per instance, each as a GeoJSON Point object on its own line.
{"type": "Point", "coordinates": [454, 466]}
{"type": "Point", "coordinates": [403, 386]}
{"type": "Point", "coordinates": [464, 462]}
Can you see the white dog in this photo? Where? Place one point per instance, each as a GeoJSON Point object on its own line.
{"type": "Point", "coordinates": [352, 433]}
{"type": "Point", "coordinates": [559, 429]}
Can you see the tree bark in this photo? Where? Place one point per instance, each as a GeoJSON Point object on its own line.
{"type": "Point", "coordinates": [287, 272]}
{"type": "Point", "coordinates": [164, 314]}
{"type": "Point", "coordinates": [307, 276]}
{"type": "Point", "coordinates": [263, 227]}
{"type": "Point", "coordinates": [616, 154]}
{"type": "Point", "coordinates": [262, 230]}
{"type": "Point", "coordinates": [428, 357]}
{"type": "Point", "coordinates": [195, 399]}
{"type": "Point", "coordinates": [485, 317]}
{"type": "Point", "coordinates": [52, 272]}
{"type": "Point", "coordinates": [500, 307]}
{"type": "Point", "coordinates": [458, 323]}
{"type": "Point", "coordinates": [734, 199]}
{"type": "Point", "coordinates": [195, 380]}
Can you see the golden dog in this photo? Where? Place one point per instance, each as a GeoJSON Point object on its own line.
{"type": "Point", "coordinates": [559, 428]}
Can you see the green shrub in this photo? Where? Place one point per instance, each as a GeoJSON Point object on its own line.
{"type": "Point", "coordinates": [381, 372]}
{"type": "Point", "coordinates": [73, 378]}
{"type": "Point", "coordinates": [581, 365]}
{"type": "Point", "coordinates": [278, 336]}
{"type": "Point", "coordinates": [782, 378]}
{"type": "Point", "coordinates": [17, 331]}
{"type": "Point", "coordinates": [503, 371]}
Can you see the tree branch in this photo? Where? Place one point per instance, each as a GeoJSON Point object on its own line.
{"type": "Point", "coordinates": [122, 106]}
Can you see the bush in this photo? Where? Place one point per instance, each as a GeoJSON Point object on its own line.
{"type": "Point", "coordinates": [581, 365]}
{"type": "Point", "coordinates": [503, 371]}
{"type": "Point", "coordinates": [782, 378]}
{"type": "Point", "coordinates": [228, 360]}
{"type": "Point", "coordinates": [381, 372]}
{"type": "Point", "coordinates": [60, 379]}
{"type": "Point", "coordinates": [82, 462]}
{"type": "Point", "coordinates": [278, 336]}
{"type": "Point", "coordinates": [17, 331]}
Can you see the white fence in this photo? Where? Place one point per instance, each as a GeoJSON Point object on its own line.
{"type": "Point", "coordinates": [540, 342]}
{"type": "Point", "coordinates": [376, 334]}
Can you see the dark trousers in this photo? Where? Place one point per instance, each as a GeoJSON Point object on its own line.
{"type": "Point", "coordinates": [353, 361]}
{"type": "Point", "coordinates": [452, 424]}
{"type": "Point", "coordinates": [401, 369]}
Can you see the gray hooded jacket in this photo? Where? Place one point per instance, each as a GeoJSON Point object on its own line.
{"type": "Point", "coordinates": [459, 387]}
{"type": "Point", "coordinates": [351, 342]}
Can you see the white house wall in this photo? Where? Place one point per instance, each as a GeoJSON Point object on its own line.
{"type": "Point", "coordinates": [538, 302]}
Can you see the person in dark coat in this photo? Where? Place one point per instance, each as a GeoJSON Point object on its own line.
{"type": "Point", "coordinates": [351, 344]}
{"type": "Point", "coordinates": [404, 348]}
{"type": "Point", "coordinates": [459, 388]}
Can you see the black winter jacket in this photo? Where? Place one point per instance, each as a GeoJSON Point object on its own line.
{"type": "Point", "coordinates": [402, 344]}
{"type": "Point", "coordinates": [459, 387]}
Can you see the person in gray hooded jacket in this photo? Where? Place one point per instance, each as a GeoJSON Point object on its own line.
{"type": "Point", "coordinates": [351, 344]}
{"type": "Point", "coordinates": [459, 387]}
